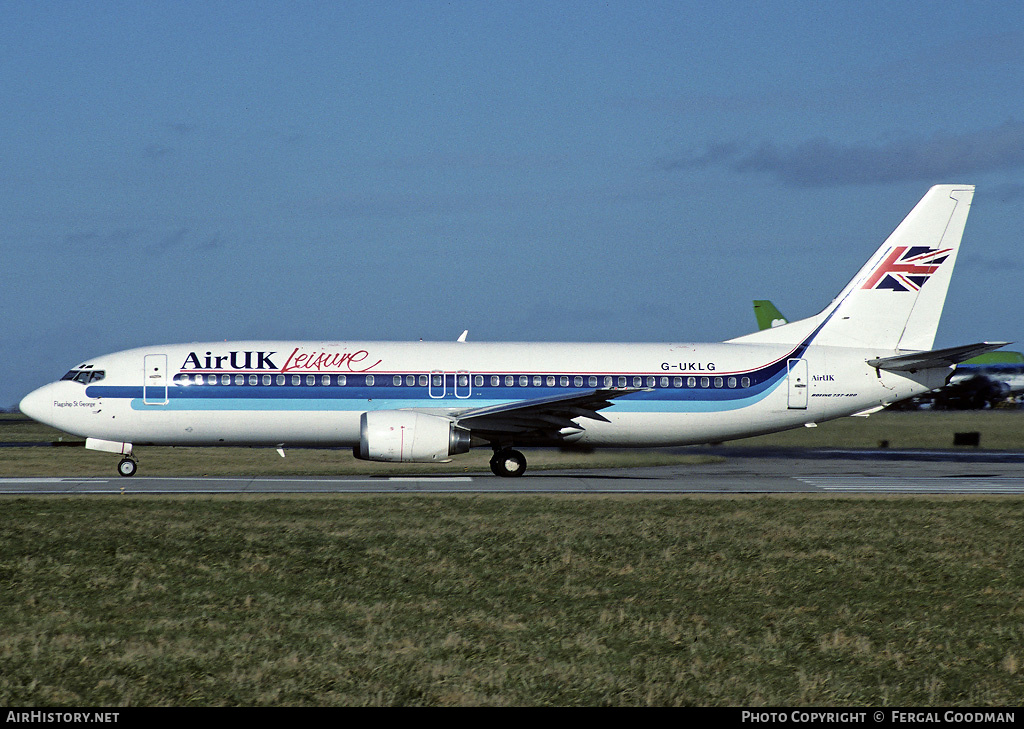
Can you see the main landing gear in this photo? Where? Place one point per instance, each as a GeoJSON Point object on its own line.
{"type": "Point", "coordinates": [508, 463]}
{"type": "Point", "coordinates": [127, 467]}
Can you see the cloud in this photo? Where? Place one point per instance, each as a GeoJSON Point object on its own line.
{"type": "Point", "coordinates": [184, 240]}
{"type": "Point", "coordinates": [147, 242]}
{"type": "Point", "coordinates": [1008, 192]}
{"type": "Point", "coordinates": [183, 129]}
{"type": "Point", "coordinates": [156, 151]}
{"type": "Point", "coordinates": [825, 163]}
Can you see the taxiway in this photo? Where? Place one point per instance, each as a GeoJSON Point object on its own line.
{"type": "Point", "coordinates": [804, 471]}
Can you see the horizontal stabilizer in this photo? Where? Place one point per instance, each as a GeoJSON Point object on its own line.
{"type": "Point", "coordinates": [934, 358]}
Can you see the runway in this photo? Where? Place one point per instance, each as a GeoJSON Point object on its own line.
{"type": "Point", "coordinates": [805, 471]}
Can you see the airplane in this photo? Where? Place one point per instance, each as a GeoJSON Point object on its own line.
{"type": "Point", "coordinates": [429, 401]}
{"type": "Point", "coordinates": [767, 315]}
{"type": "Point", "coordinates": [983, 381]}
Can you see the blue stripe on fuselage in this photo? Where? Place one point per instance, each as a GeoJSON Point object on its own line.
{"type": "Point", "coordinates": [385, 395]}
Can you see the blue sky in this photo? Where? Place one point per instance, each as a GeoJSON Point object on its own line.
{"type": "Point", "coordinates": [634, 171]}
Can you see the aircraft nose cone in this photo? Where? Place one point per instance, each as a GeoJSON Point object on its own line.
{"type": "Point", "coordinates": [37, 405]}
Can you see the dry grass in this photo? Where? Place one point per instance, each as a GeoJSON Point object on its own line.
{"type": "Point", "coordinates": [511, 600]}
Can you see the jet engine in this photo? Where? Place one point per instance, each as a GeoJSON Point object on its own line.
{"type": "Point", "coordinates": [404, 436]}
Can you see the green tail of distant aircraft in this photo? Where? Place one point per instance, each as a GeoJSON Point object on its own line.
{"type": "Point", "coordinates": [767, 315]}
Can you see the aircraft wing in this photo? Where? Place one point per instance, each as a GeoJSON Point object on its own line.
{"type": "Point", "coordinates": [934, 358]}
{"type": "Point", "coordinates": [542, 417]}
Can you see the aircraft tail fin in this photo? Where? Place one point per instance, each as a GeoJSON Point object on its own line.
{"type": "Point", "coordinates": [767, 315]}
{"type": "Point", "coordinates": [895, 301]}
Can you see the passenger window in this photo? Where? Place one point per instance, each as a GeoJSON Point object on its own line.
{"type": "Point", "coordinates": [266, 379]}
{"type": "Point", "coordinates": [718, 382]}
{"type": "Point", "coordinates": [296, 380]}
{"type": "Point", "coordinates": [577, 381]}
{"type": "Point", "coordinates": [410, 380]}
{"type": "Point", "coordinates": [677, 382]}
{"type": "Point", "coordinates": [622, 382]}
{"type": "Point", "coordinates": [638, 381]}
{"type": "Point", "coordinates": [536, 380]}
{"type": "Point", "coordinates": [732, 382]}
{"type": "Point", "coordinates": [495, 380]}
{"type": "Point", "coordinates": [478, 381]}
{"type": "Point", "coordinates": [369, 380]}
{"type": "Point", "coordinates": [745, 382]}
{"type": "Point", "coordinates": [325, 379]}
{"type": "Point", "coordinates": [463, 380]}
{"type": "Point", "coordinates": [239, 379]}
{"type": "Point", "coordinates": [592, 380]}
{"type": "Point", "coordinates": [436, 380]}
{"type": "Point", "coordinates": [342, 380]}
{"type": "Point", "coordinates": [704, 382]}
{"type": "Point", "coordinates": [650, 382]}
{"type": "Point", "coordinates": [691, 381]}
{"type": "Point", "coordinates": [397, 380]}
{"type": "Point", "coordinates": [524, 380]}
{"type": "Point", "coordinates": [510, 381]}
{"type": "Point", "coordinates": [253, 379]}
{"type": "Point", "coordinates": [225, 379]}
{"type": "Point", "coordinates": [423, 380]}
{"type": "Point", "coordinates": [279, 380]}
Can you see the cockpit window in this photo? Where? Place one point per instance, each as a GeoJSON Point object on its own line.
{"type": "Point", "coordinates": [84, 376]}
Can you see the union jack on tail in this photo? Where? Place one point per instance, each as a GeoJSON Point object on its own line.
{"type": "Point", "coordinates": [907, 268]}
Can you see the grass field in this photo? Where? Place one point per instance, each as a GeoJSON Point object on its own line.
{"type": "Point", "coordinates": [502, 600]}
{"type": "Point", "coordinates": [510, 600]}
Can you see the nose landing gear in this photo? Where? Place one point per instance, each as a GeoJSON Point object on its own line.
{"type": "Point", "coordinates": [127, 467]}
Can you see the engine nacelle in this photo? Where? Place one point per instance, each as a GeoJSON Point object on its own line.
{"type": "Point", "coordinates": [403, 436]}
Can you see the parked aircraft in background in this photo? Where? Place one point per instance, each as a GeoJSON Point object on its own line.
{"type": "Point", "coordinates": [767, 315]}
{"type": "Point", "coordinates": [428, 401]}
{"type": "Point", "coordinates": [984, 381]}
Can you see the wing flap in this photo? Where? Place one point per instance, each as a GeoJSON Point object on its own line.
{"type": "Point", "coordinates": [547, 415]}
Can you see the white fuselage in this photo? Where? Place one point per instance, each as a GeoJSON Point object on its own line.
{"type": "Point", "coordinates": [274, 393]}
